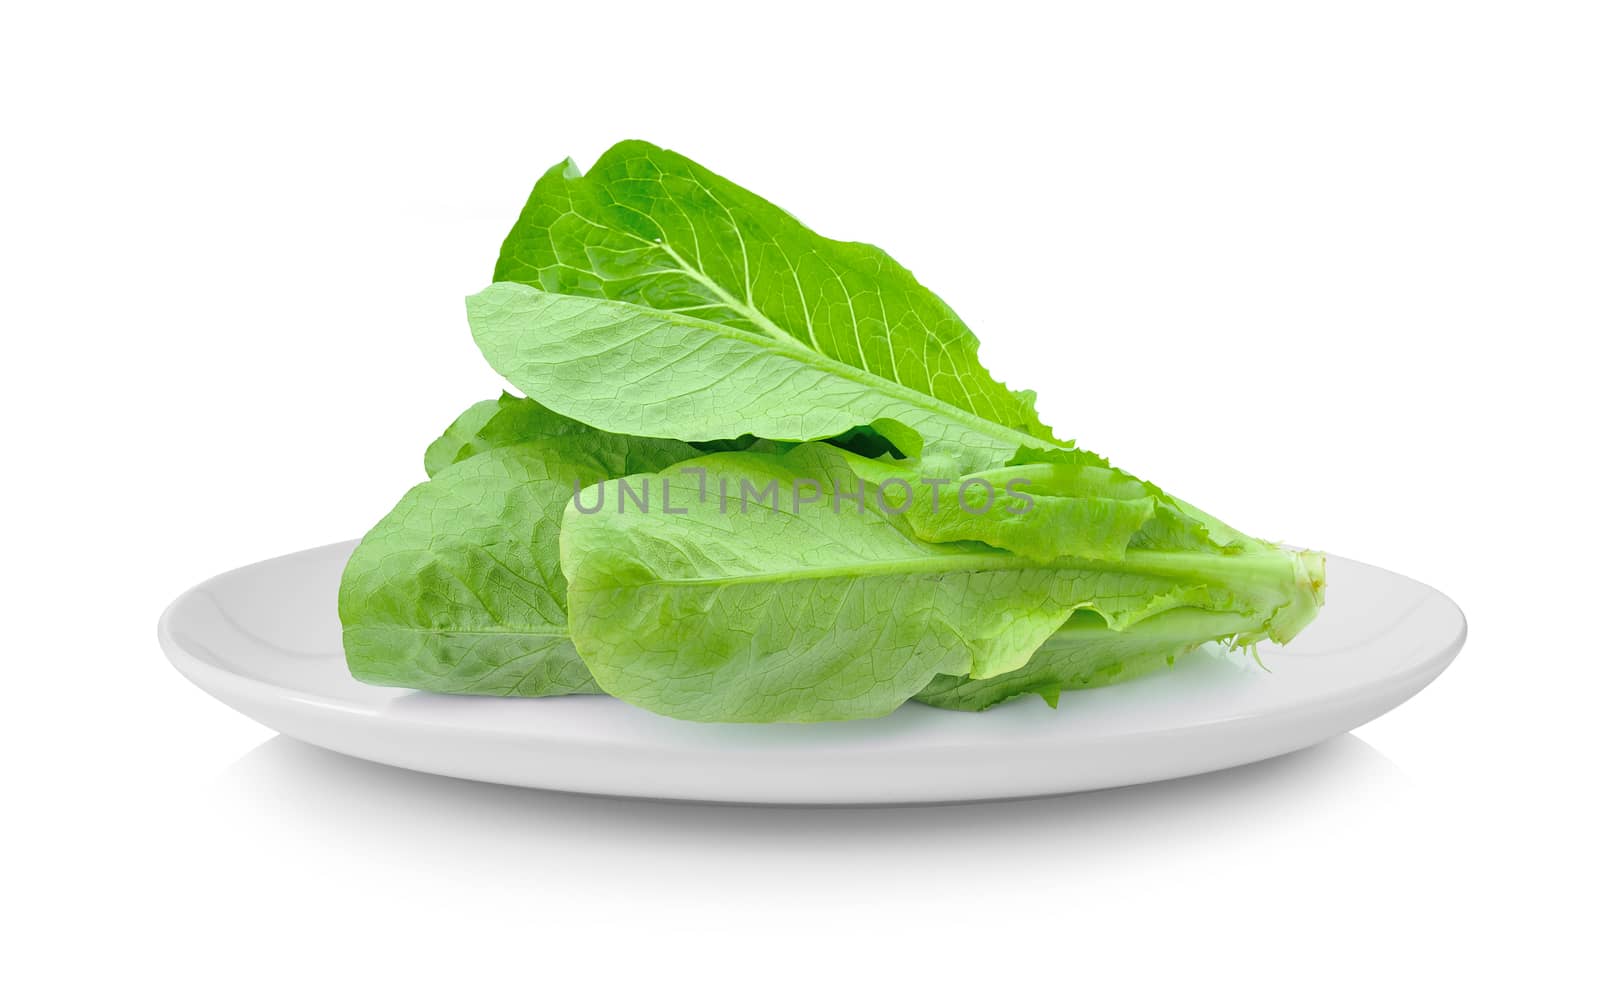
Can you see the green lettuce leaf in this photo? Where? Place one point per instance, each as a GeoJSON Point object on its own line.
{"type": "Point", "coordinates": [451, 445]}
{"type": "Point", "coordinates": [631, 369]}
{"type": "Point", "coordinates": [653, 229]}
{"type": "Point", "coordinates": [722, 603]}
{"type": "Point", "coordinates": [1055, 503]}
{"type": "Point", "coordinates": [1086, 653]}
{"type": "Point", "coordinates": [661, 299]}
{"type": "Point", "coordinates": [459, 589]}
{"type": "Point", "coordinates": [494, 423]}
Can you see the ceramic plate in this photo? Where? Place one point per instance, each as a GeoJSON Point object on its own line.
{"type": "Point", "coordinates": [264, 639]}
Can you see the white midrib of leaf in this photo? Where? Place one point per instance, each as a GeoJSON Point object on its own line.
{"type": "Point", "coordinates": [788, 346]}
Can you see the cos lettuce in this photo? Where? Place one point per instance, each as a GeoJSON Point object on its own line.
{"type": "Point", "coordinates": [674, 331]}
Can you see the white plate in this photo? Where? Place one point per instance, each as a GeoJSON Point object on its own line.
{"type": "Point", "coordinates": [264, 639]}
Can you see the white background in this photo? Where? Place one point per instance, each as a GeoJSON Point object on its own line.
{"type": "Point", "coordinates": [1328, 270]}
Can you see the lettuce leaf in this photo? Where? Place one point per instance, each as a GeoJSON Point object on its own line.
{"type": "Point", "coordinates": [459, 589]}
{"type": "Point", "coordinates": [1085, 653]}
{"type": "Point", "coordinates": [652, 229]}
{"type": "Point", "coordinates": [654, 297]}
{"type": "Point", "coordinates": [493, 423]}
{"type": "Point", "coordinates": [735, 606]}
